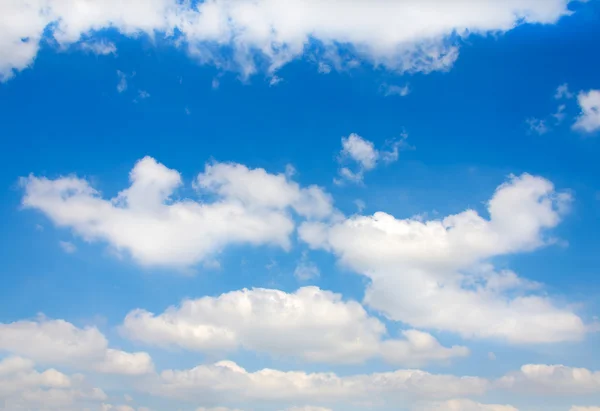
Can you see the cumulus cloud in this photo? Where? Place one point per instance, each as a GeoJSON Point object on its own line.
{"type": "Point", "coordinates": [435, 275]}
{"type": "Point", "coordinates": [589, 118]}
{"type": "Point", "coordinates": [463, 405]}
{"type": "Point", "coordinates": [554, 379]}
{"type": "Point", "coordinates": [312, 324]}
{"type": "Point", "coordinates": [363, 153]}
{"type": "Point", "coordinates": [249, 206]}
{"type": "Point", "coordinates": [58, 342]}
{"type": "Point", "coordinates": [22, 387]}
{"type": "Point", "coordinates": [225, 380]}
{"type": "Point", "coordinates": [235, 35]}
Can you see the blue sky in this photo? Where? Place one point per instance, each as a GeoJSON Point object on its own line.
{"type": "Point", "coordinates": [299, 206]}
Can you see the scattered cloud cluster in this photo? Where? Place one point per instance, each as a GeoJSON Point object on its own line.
{"type": "Point", "coordinates": [587, 121]}
{"type": "Point", "coordinates": [399, 35]}
{"type": "Point", "coordinates": [365, 156]}
{"type": "Point", "coordinates": [311, 324]}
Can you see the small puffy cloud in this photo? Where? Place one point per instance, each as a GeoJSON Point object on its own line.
{"type": "Point", "coordinates": [435, 274]}
{"type": "Point", "coordinates": [122, 84]}
{"type": "Point", "coordinates": [100, 47]}
{"type": "Point", "coordinates": [250, 206]}
{"type": "Point", "coordinates": [394, 90]}
{"type": "Point", "coordinates": [67, 246]}
{"type": "Point", "coordinates": [143, 94]}
{"type": "Point", "coordinates": [306, 269]}
{"type": "Point", "coordinates": [22, 387]}
{"type": "Point", "coordinates": [537, 126]}
{"type": "Point", "coordinates": [222, 381]}
{"type": "Point", "coordinates": [589, 118]}
{"type": "Point", "coordinates": [563, 92]}
{"type": "Point", "coordinates": [58, 342]}
{"type": "Point", "coordinates": [463, 405]}
{"type": "Point", "coordinates": [311, 324]}
{"type": "Point", "coordinates": [363, 153]}
{"type": "Point", "coordinates": [555, 379]}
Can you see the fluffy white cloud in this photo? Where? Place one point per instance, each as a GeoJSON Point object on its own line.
{"type": "Point", "coordinates": [399, 35]}
{"type": "Point", "coordinates": [313, 324]}
{"type": "Point", "coordinates": [24, 388]}
{"type": "Point", "coordinates": [589, 119]}
{"type": "Point", "coordinates": [555, 379]}
{"type": "Point", "coordinates": [419, 348]}
{"type": "Point", "coordinates": [433, 275]}
{"type": "Point", "coordinates": [58, 342]}
{"type": "Point", "coordinates": [225, 381]}
{"type": "Point", "coordinates": [463, 405]}
{"type": "Point", "coordinates": [251, 207]}
{"type": "Point", "coordinates": [365, 155]}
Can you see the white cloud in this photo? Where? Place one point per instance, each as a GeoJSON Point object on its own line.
{"type": "Point", "coordinates": [419, 348]}
{"type": "Point", "coordinates": [122, 85]}
{"type": "Point", "coordinates": [589, 119]}
{"type": "Point", "coordinates": [363, 152]}
{"type": "Point", "coordinates": [312, 324]}
{"type": "Point", "coordinates": [100, 47]}
{"type": "Point", "coordinates": [394, 90]}
{"type": "Point", "coordinates": [58, 342]}
{"type": "Point", "coordinates": [24, 388]}
{"type": "Point", "coordinates": [399, 35]}
{"type": "Point", "coordinates": [433, 274]}
{"type": "Point", "coordinates": [576, 408]}
{"type": "Point", "coordinates": [560, 115]}
{"type": "Point", "coordinates": [563, 92]}
{"type": "Point", "coordinates": [275, 80]}
{"type": "Point", "coordinates": [552, 379]}
{"type": "Point", "coordinates": [67, 246]}
{"type": "Point", "coordinates": [251, 206]}
{"type": "Point", "coordinates": [537, 126]}
{"type": "Point", "coordinates": [226, 380]}
{"type": "Point", "coordinates": [463, 405]}
{"type": "Point", "coordinates": [306, 269]}
{"type": "Point", "coordinates": [143, 94]}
